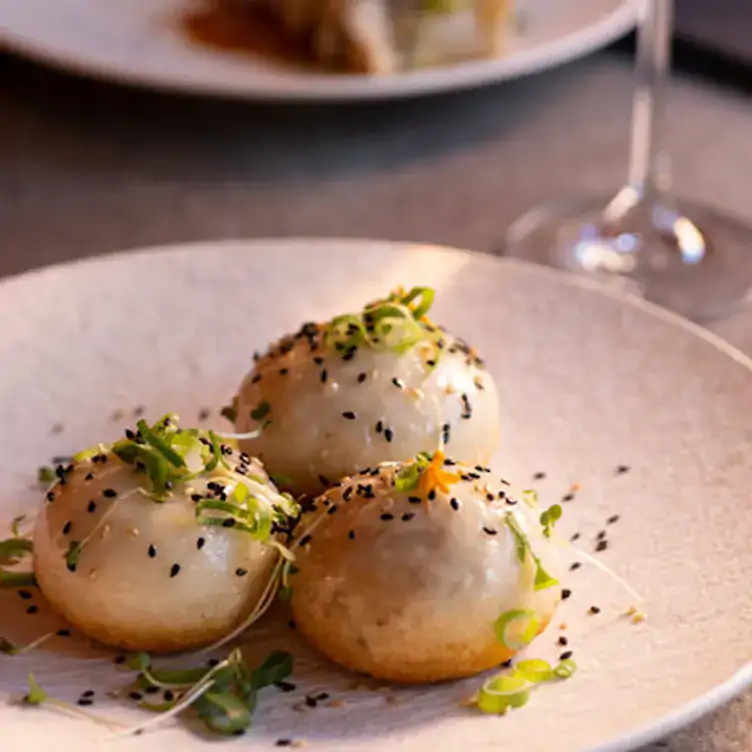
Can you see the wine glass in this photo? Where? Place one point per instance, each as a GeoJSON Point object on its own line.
{"type": "Point", "coordinates": [693, 259]}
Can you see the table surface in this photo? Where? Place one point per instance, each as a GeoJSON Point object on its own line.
{"type": "Point", "coordinates": [86, 169]}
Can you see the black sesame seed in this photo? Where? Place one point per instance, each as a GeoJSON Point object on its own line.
{"type": "Point", "coordinates": [601, 535]}
{"type": "Point", "coordinates": [502, 495]}
{"type": "Point", "coordinates": [324, 480]}
{"type": "Point", "coordinates": [84, 702]}
{"type": "Point", "coordinates": [63, 633]}
{"type": "Point", "coordinates": [613, 520]}
{"type": "Point", "coordinates": [283, 743]}
{"type": "Point", "coordinates": [119, 659]}
{"type": "Point", "coordinates": [305, 540]}
{"type": "Point", "coordinates": [414, 499]}
{"type": "Point", "coordinates": [407, 516]}
{"type": "Point", "coordinates": [137, 696]}
{"type": "Point", "coordinates": [568, 497]}
{"type": "Point", "coordinates": [490, 497]}
{"type": "Point", "coordinates": [318, 360]}
{"type": "Point", "coordinates": [575, 537]}
{"type": "Point", "coordinates": [454, 504]}
{"type": "Point", "coordinates": [174, 570]}
{"type": "Point", "coordinates": [88, 694]}
{"type": "Point", "coordinates": [200, 543]}
{"type": "Point", "coordinates": [321, 696]}
{"type": "Point", "coordinates": [89, 476]}
{"type": "Point", "coordinates": [347, 493]}
{"type": "Point", "coordinates": [566, 593]}
{"type": "Point", "coordinates": [152, 551]}
{"type": "Point", "coordinates": [446, 433]}
{"type": "Point", "coordinates": [379, 426]}
{"type": "Point", "coordinates": [285, 686]}
{"type": "Point", "coordinates": [388, 434]}
{"type": "Point", "coordinates": [563, 641]}
{"type": "Point", "coordinates": [566, 655]}
{"type": "Point", "coordinates": [50, 496]}
{"type": "Point", "coordinates": [212, 662]}
{"type": "Point", "coordinates": [575, 566]}
{"type": "Point", "coordinates": [324, 376]}
{"type": "Point", "coordinates": [398, 383]}
{"type": "Point", "coordinates": [489, 531]}
{"type": "Point", "coordinates": [449, 463]}
{"type": "Point", "coordinates": [139, 410]}
{"type": "Point", "coordinates": [431, 495]}
{"type": "Point", "coordinates": [282, 371]}
{"type": "Point", "coordinates": [622, 469]}
{"type": "Point", "coordinates": [602, 545]}
{"type": "Point", "coordinates": [506, 664]}
{"type": "Point", "coordinates": [25, 595]}
{"type": "Point", "coordinates": [151, 690]}
{"type": "Point", "coordinates": [291, 624]}
{"type": "Point", "coordinates": [362, 377]}
{"type": "Point", "coordinates": [594, 610]}
{"type": "Point", "coordinates": [351, 535]}
{"type": "Point", "coordinates": [92, 506]}
{"type": "Point", "coordinates": [387, 516]}
{"type": "Point", "coordinates": [311, 701]}
{"type": "Point", "coordinates": [348, 415]}
{"type": "Point", "coordinates": [196, 497]}
{"type": "Point", "coordinates": [169, 695]}
{"type": "Point", "coordinates": [539, 475]}
{"type": "Point", "coordinates": [229, 522]}
{"type": "Point", "coordinates": [32, 610]}
{"type": "Point", "coordinates": [241, 572]}
{"type": "Point", "coordinates": [67, 527]}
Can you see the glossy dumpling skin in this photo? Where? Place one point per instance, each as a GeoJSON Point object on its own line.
{"type": "Point", "coordinates": [150, 576]}
{"type": "Point", "coordinates": [332, 412]}
{"type": "Point", "coordinates": [407, 586]}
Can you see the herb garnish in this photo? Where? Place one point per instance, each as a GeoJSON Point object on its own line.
{"type": "Point", "coordinates": [549, 518]}
{"type": "Point", "coordinates": [12, 552]}
{"type": "Point", "coordinates": [543, 579]}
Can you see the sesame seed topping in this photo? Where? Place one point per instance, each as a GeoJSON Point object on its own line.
{"type": "Point", "coordinates": [200, 543]}
{"type": "Point", "coordinates": [613, 520]}
{"type": "Point", "coordinates": [348, 415]}
{"type": "Point", "coordinates": [50, 496]}
{"type": "Point", "coordinates": [539, 475]}
{"type": "Point", "coordinates": [362, 377]}
{"type": "Point", "coordinates": [431, 495]}
{"type": "Point", "coordinates": [563, 641]}
{"type": "Point", "coordinates": [398, 383]}
{"type": "Point", "coordinates": [454, 504]}
{"type": "Point", "coordinates": [566, 655]}
{"type": "Point", "coordinates": [152, 551]}
{"type": "Point", "coordinates": [84, 702]}
{"type": "Point", "coordinates": [174, 570]}
{"type": "Point", "coordinates": [324, 480]}
{"type": "Point", "coordinates": [324, 376]}
{"type": "Point", "coordinates": [566, 593]}
{"type": "Point", "coordinates": [32, 609]}
{"type": "Point", "coordinates": [575, 537]}
{"type": "Point", "coordinates": [351, 535]}
{"type": "Point", "coordinates": [347, 493]}
{"type": "Point", "coordinates": [88, 694]}
{"type": "Point", "coordinates": [229, 522]}
{"type": "Point", "coordinates": [575, 566]}
{"type": "Point", "coordinates": [282, 371]}
{"type": "Point", "coordinates": [594, 610]}
{"type": "Point", "coordinates": [622, 469]}
{"type": "Point", "coordinates": [305, 540]}
{"type": "Point", "coordinates": [63, 633]}
{"type": "Point", "coordinates": [379, 426]}
{"type": "Point", "coordinates": [67, 527]}
{"type": "Point", "coordinates": [388, 434]}
{"type": "Point", "coordinates": [137, 696]}
{"type": "Point", "coordinates": [602, 545]}
{"type": "Point", "coordinates": [414, 499]}
{"type": "Point", "coordinates": [387, 516]}
{"type": "Point", "coordinates": [240, 572]}
{"type": "Point", "coordinates": [92, 507]}
{"type": "Point", "coordinates": [25, 595]}
{"type": "Point", "coordinates": [119, 659]}
{"type": "Point", "coordinates": [407, 516]}
{"type": "Point", "coordinates": [489, 531]}
{"type": "Point", "coordinates": [204, 414]}
{"type": "Point", "coordinates": [285, 686]}
{"type": "Point", "coordinates": [490, 497]}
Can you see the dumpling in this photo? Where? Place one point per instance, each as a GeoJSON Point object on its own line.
{"type": "Point", "coordinates": [382, 384]}
{"type": "Point", "coordinates": [381, 36]}
{"type": "Point", "coordinates": [163, 541]}
{"type": "Point", "coordinates": [423, 571]}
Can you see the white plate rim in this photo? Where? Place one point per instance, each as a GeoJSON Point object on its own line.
{"type": "Point", "coordinates": [632, 741]}
{"type": "Point", "coordinates": [331, 89]}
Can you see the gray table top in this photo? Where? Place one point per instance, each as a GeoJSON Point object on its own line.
{"type": "Point", "coordinates": [87, 169]}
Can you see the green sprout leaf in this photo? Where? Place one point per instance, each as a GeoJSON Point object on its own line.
{"type": "Point", "coordinates": [223, 713]}
{"type": "Point", "coordinates": [46, 474]}
{"type": "Point", "coordinates": [156, 441]}
{"type": "Point", "coordinates": [36, 695]}
{"type": "Point", "coordinates": [261, 410]}
{"type": "Point", "coordinates": [530, 497]}
{"type": "Point", "coordinates": [549, 518]}
{"type": "Point", "coordinates": [276, 668]}
{"type": "Point", "coordinates": [72, 554]}
{"type": "Point", "coordinates": [543, 579]}
{"type": "Point", "coordinates": [15, 548]}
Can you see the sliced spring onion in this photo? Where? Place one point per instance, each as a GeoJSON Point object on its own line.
{"type": "Point", "coordinates": [530, 497]}
{"type": "Point", "coordinates": [46, 474]}
{"type": "Point", "coordinates": [517, 628]}
{"type": "Point", "coordinates": [15, 548]}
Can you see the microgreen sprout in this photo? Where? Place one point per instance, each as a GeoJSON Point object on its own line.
{"type": "Point", "coordinates": [12, 551]}
{"type": "Point", "coordinates": [530, 497]}
{"type": "Point", "coordinates": [46, 474]}
{"type": "Point", "coordinates": [395, 323]}
{"type": "Point", "coordinates": [549, 518]}
{"type": "Point", "coordinates": [543, 579]}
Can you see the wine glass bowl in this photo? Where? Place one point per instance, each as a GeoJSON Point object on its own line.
{"type": "Point", "coordinates": [691, 258]}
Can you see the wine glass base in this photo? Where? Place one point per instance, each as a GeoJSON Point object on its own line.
{"type": "Point", "coordinates": [690, 258]}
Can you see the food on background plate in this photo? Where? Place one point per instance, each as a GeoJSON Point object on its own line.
{"type": "Point", "coordinates": [424, 571]}
{"type": "Point", "coordinates": [163, 541]}
{"type": "Point", "coordinates": [386, 36]}
{"type": "Point", "coordinates": [384, 383]}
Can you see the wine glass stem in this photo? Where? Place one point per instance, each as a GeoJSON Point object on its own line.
{"type": "Point", "coordinates": [648, 165]}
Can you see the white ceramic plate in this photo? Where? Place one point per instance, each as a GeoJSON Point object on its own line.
{"type": "Point", "coordinates": [142, 43]}
{"type": "Point", "coordinates": [589, 381]}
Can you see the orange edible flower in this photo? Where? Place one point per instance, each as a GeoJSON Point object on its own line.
{"type": "Point", "coordinates": [435, 477]}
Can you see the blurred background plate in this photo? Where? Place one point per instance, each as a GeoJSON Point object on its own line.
{"type": "Point", "coordinates": [147, 44]}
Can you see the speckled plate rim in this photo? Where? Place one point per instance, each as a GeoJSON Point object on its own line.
{"type": "Point", "coordinates": [685, 715]}
{"type": "Point", "coordinates": [463, 76]}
